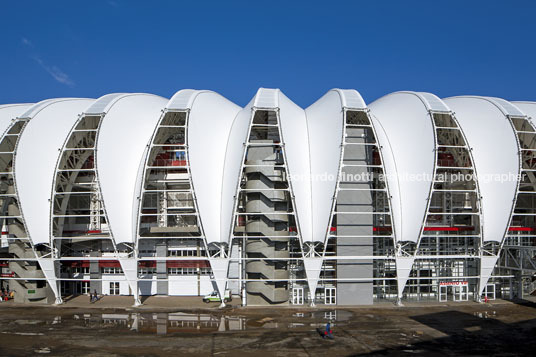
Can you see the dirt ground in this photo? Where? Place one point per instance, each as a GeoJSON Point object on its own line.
{"type": "Point", "coordinates": [498, 328]}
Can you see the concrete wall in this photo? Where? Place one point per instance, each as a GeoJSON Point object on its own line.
{"type": "Point", "coordinates": [189, 285]}
{"type": "Point", "coordinates": [355, 292]}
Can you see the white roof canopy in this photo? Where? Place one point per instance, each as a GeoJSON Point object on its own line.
{"type": "Point", "coordinates": [119, 158]}
{"type": "Point", "coordinates": [409, 133]}
{"type": "Point", "coordinates": [35, 161]}
{"type": "Point", "coordinates": [209, 127]}
{"type": "Point", "coordinates": [495, 151]}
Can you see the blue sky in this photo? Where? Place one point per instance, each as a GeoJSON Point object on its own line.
{"type": "Point", "coordinates": [90, 48]}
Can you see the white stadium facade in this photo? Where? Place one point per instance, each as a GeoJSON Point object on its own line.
{"type": "Point", "coordinates": [410, 198]}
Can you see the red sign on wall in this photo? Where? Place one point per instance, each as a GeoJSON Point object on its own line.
{"type": "Point", "coordinates": [453, 283]}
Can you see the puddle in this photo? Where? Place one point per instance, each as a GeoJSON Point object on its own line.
{"type": "Point", "coordinates": [24, 333]}
{"type": "Point", "coordinates": [332, 315]}
{"type": "Point", "coordinates": [485, 314]}
{"type": "Point", "coordinates": [168, 323]}
{"type": "Point", "coordinates": [43, 350]}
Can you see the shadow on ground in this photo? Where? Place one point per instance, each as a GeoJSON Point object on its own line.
{"type": "Point", "coordinates": [477, 334]}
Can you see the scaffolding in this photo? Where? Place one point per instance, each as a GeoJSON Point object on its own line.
{"type": "Point", "coordinates": [26, 278]}
{"type": "Point", "coordinates": [170, 232]}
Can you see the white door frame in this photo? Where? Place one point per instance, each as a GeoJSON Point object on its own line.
{"type": "Point", "coordinates": [115, 287]}
{"type": "Point", "coordinates": [297, 296]}
{"type": "Point", "coordinates": [460, 293]}
{"type": "Point", "coordinates": [443, 293]}
{"type": "Point", "coordinates": [464, 292]}
{"type": "Point", "coordinates": [490, 291]}
{"type": "Point", "coordinates": [330, 296]}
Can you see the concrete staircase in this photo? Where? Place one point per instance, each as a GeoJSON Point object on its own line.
{"type": "Point", "coordinates": [27, 290]}
{"type": "Point", "coordinates": [270, 223]}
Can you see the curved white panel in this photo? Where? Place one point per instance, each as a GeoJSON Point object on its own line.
{"type": "Point", "coordinates": [9, 112]}
{"type": "Point", "coordinates": [183, 99]}
{"type": "Point", "coordinates": [529, 109]}
{"type": "Point", "coordinates": [406, 121]}
{"type": "Point", "coordinates": [35, 161]}
{"type": "Point", "coordinates": [504, 106]}
{"type": "Point", "coordinates": [325, 120]}
{"type": "Point", "coordinates": [389, 165]}
{"type": "Point", "coordinates": [495, 151]}
{"type": "Point", "coordinates": [103, 104]}
{"type": "Point", "coordinates": [209, 126]}
{"type": "Point", "coordinates": [266, 98]}
{"type": "Point", "coordinates": [431, 101]}
{"type": "Point", "coordinates": [295, 137]}
{"type": "Point", "coordinates": [35, 108]}
{"type": "Point", "coordinates": [351, 98]}
{"type": "Point", "coordinates": [123, 136]}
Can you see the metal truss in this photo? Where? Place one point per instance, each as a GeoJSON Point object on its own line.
{"type": "Point", "coordinates": [518, 249]}
{"type": "Point", "coordinates": [242, 190]}
{"type": "Point", "coordinates": [77, 176]}
{"type": "Point", "coordinates": [21, 244]}
{"type": "Point", "coordinates": [167, 181]}
{"type": "Point", "coordinates": [381, 210]}
{"type": "Point", "coordinates": [452, 156]}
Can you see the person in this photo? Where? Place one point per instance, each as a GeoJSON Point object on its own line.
{"type": "Point", "coordinates": [328, 333]}
{"type": "Point", "coordinates": [96, 297]}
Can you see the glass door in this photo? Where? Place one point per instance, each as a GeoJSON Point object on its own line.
{"type": "Point", "coordinates": [461, 293]}
{"type": "Point", "coordinates": [330, 296]}
{"type": "Point", "coordinates": [443, 293]}
{"type": "Point", "coordinates": [489, 291]}
{"type": "Point", "coordinates": [297, 296]}
{"type": "Point", "coordinates": [114, 288]}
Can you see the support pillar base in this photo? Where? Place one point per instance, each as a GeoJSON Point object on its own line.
{"type": "Point", "coordinates": [137, 302]}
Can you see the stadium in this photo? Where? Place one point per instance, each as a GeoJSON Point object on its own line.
{"type": "Point", "coordinates": [409, 198]}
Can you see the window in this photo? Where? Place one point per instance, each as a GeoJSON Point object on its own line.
{"type": "Point", "coordinates": [147, 271]}
{"type": "Point", "coordinates": [330, 296]}
{"type": "Point", "coordinates": [65, 288]}
{"type": "Point", "coordinates": [150, 200]}
{"type": "Point", "coordinates": [114, 288]}
{"type": "Point", "coordinates": [84, 285]}
{"type": "Point", "coordinates": [80, 270]}
{"type": "Point", "coordinates": [182, 271]}
{"type": "Point", "coordinates": [184, 253]}
{"type": "Point", "coordinates": [112, 270]}
{"type": "Point", "coordinates": [205, 271]}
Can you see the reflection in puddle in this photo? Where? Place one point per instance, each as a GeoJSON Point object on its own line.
{"type": "Point", "coordinates": [165, 323]}
{"type": "Point", "coordinates": [485, 314]}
